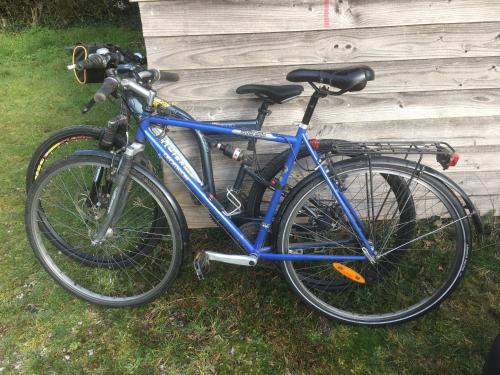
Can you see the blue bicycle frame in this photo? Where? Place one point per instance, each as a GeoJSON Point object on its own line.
{"type": "Point", "coordinates": [257, 249]}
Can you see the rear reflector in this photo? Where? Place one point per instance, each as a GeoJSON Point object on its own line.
{"type": "Point", "coordinates": [314, 143]}
{"type": "Point", "coordinates": [454, 158]}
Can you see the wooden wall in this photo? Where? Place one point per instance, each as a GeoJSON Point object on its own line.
{"type": "Point", "coordinates": [437, 65]}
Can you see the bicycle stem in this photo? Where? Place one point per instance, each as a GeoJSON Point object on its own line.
{"type": "Point", "coordinates": [119, 197]}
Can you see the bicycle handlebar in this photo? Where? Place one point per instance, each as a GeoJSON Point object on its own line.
{"type": "Point", "coordinates": [167, 76]}
{"type": "Point", "coordinates": [109, 86]}
{"type": "Point", "coordinates": [112, 82]}
{"type": "Point", "coordinates": [155, 75]}
{"type": "Point", "coordinates": [97, 61]}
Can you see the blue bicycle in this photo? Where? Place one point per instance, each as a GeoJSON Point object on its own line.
{"type": "Point", "coordinates": [369, 240]}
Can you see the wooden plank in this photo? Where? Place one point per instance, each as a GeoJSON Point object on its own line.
{"type": "Point", "coordinates": [202, 17]}
{"type": "Point", "coordinates": [478, 183]}
{"type": "Point", "coordinates": [391, 76]}
{"type": "Point", "coordinates": [459, 132]}
{"type": "Point", "coordinates": [358, 108]}
{"type": "Point", "coordinates": [485, 204]}
{"type": "Point", "coordinates": [476, 160]}
{"type": "Point", "coordinates": [197, 217]}
{"type": "Point", "coordinates": [474, 181]}
{"type": "Point", "coordinates": [482, 187]}
{"type": "Point", "coordinates": [325, 47]}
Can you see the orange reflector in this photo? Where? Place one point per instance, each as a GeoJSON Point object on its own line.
{"type": "Point", "coordinates": [349, 273]}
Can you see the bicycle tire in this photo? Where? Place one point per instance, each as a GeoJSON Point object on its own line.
{"type": "Point", "coordinates": [54, 141]}
{"type": "Point", "coordinates": [148, 196]}
{"type": "Point", "coordinates": [365, 303]}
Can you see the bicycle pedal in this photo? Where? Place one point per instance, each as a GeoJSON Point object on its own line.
{"type": "Point", "coordinates": [201, 264]}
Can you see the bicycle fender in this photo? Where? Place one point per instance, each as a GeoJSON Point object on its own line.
{"type": "Point", "coordinates": [159, 184]}
{"type": "Point", "coordinates": [469, 205]}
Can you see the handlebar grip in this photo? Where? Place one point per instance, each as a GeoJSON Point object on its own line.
{"type": "Point", "coordinates": [108, 86]}
{"type": "Point", "coordinates": [155, 75]}
{"type": "Point", "coordinates": [94, 61]}
{"type": "Point", "coordinates": [168, 76]}
{"type": "Point", "coordinates": [98, 61]}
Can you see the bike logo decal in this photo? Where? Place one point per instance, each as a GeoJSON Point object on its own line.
{"type": "Point", "coordinates": [253, 134]}
{"type": "Point", "coordinates": [178, 156]}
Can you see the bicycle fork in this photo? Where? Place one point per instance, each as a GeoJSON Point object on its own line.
{"type": "Point", "coordinates": [119, 197]}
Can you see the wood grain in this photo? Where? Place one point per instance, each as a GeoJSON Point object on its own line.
{"type": "Point", "coordinates": [471, 160]}
{"type": "Point", "coordinates": [357, 108]}
{"type": "Point", "coordinates": [467, 133]}
{"type": "Point", "coordinates": [482, 187]}
{"type": "Point", "coordinates": [325, 46]}
{"type": "Point", "coordinates": [459, 132]}
{"type": "Point", "coordinates": [202, 17]}
{"type": "Point", "coordinates": [465, 175]}
{"type": "Point", "coordinates": [391, 76]}
{"type": "Point", "coordinates": [436, 62]}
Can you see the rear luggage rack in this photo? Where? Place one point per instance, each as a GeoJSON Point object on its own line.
{"type": "Point", "coordinates": [445, 154]}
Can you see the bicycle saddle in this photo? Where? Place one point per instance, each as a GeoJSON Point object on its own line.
{"type": "Point", "coordinates": [345, 79]}
{"type": "Point", "coordinates": [278, 94]}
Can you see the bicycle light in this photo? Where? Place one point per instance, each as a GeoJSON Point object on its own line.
{"type": "Point", "coordinates": [314, 143]}
{"type": "Point", "coordinates": [454, 158]}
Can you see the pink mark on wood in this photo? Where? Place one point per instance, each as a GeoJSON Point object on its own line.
{"type": "Point", "coordinates": [326, 14]}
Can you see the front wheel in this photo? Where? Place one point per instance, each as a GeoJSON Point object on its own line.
{"type": "Point", "coordinates": [134, 264]}
{"type": "Point", "coordinates": [418, 228]}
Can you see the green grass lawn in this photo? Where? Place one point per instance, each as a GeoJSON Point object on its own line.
{"type": "Point", "coordinates": [237, 321]}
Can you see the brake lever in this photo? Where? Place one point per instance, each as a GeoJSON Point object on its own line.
{"type": "Point", "coordinates": [89, 106]}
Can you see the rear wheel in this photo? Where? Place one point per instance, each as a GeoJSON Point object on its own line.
{"type": "Point", "coordinates": [417, 226]}
{"type": "Point", "coordinates": [134, 264]}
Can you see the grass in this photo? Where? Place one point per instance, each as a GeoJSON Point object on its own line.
{"type": "Point", "coordinates": [236, 321]}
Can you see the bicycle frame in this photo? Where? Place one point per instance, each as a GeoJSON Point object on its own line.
{"type": "Point", "coordinates": [133, 104]}
{"type": "Point", "coordinates": [256, 249]}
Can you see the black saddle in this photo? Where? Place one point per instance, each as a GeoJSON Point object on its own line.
{"type": "Point", "coordinates": [345, 79]}
{"type": "Point", "coordinates": [277, 94]}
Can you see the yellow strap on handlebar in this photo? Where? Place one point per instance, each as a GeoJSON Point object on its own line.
{"type": "Point", "coordinates": [161, 103]}
{"type": "Point", "coordinates": [84, 71]}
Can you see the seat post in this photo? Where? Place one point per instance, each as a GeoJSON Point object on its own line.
{"type": "Point", "coordinates": [263, 112]}
{"type": "Point", "coordinates": [311, 106]}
